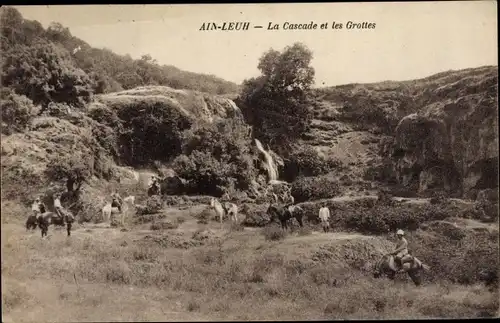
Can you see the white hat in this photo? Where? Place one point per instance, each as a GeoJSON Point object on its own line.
{"type": "Point", "coordinates": [400, 232]}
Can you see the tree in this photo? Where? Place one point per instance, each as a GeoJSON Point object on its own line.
{"type": "Point", "coordinates": [276, 103]}
{"type": "Point", "coordinates": [17, 111]}
{"type": "Point", "coordinates": [74, 170]}
{"type": "Point", "coordinates": [45, 73]}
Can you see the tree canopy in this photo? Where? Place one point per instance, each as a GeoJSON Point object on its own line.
{"type": "Point", "coordinates": [276, 103]}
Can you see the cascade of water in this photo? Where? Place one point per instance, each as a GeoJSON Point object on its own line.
{"type": "Point", "coordinates": [271, 168]}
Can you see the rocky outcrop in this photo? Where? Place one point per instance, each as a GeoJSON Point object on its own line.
{"type": "Point", "coordinates": [190, 104]}
{"type": "Point", "coordinates": [451, 144]}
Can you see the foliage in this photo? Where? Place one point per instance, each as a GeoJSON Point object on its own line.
{"type": "Point", "coordinates": [45, 73]}
{"type": "Point", "coordinates": [151, 131]}
{"type": "Point", "coordinates": [216, 157]}
{"type": "Point", "coordinates": [276, 103]}
{"type": "Point", "coordinates": [107, 71]}
{"type": "Point", "coordinates": [314, 188]}
{"type": "Point", "coordinates": [273, 233]}
{"type": "Point", "coordinates": [305, 161]}
{"type": "Point", "coordinates": [17, 111]}
{"type": "Point", "coordinates": [255, 215]}
{"type": "Point", "coordinates": [75, 170]}
{"type": "Point", "coordinates": [385, 218]}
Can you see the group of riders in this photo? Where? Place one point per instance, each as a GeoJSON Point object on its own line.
{"type": "Point", "coordinates": [400, 253]}
{"type": "Point", "coordinates": [38, 208]}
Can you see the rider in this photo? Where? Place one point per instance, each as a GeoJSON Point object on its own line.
{"type": "Point", "coordinates": [57, 205]}
{"type": "Point", "coordinates": [154, 182]}
{"type": "Point", "coordinates": [401, 249]}
{"type": "Point", "coordinates": [35, 207]}
{"type": "Point", "coordinates": [116, 201]}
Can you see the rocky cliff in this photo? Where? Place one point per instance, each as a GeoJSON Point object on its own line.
{"type": "Point", "coordinates": [452, 143]}
{"type": "Point", "coordinates": [433, 134]}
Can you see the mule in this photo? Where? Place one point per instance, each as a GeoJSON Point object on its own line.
{"type": "Point", "coordinates": [219, 209]}
{"type": "Point", "coordinates": [31, 222]}
{"type": "Point", "coordinates": [285, 213]}
{"type": "Point", "coordinates": [413, 267]}
{"type": "Point", "coordinates": [46, 219]}
{"type": "Point", "coordinates": [107, 211]}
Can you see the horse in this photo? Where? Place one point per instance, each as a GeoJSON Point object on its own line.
{"type": "Point", "coordinates": [46, 219]}
{"type": "Point", "coordinates": [231, 210]}
{"type": "Point", "coordinates": [217, 206]}
{"type": "Point", "coordinates": [128, 203]}
{"type": "Point", "coordinates": [31, 222]}
{"type": "Point", "coordinates": [154, 190]}
{"type": "Point", "coordinates": [324, 216]}
{"type": "Point", "coordinates": [107, 211]}
{"type": "Point", "coordinates": [387, 266]}
{"type": "Point", "coordinates": [285, 213]}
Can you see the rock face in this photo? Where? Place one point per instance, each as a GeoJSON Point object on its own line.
{"type": "Point", "coordinates": [451, 144]}
{"type": "Point", "coordinates": [190, 104]}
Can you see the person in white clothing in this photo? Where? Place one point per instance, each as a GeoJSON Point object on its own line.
{"type": "Point", "coordinates": [401, 249]}
{"type": "Point", "coordinates": [57, 205]}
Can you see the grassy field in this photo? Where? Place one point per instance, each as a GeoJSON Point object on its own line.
{"type": "Point", "coordinates": [208, 272]}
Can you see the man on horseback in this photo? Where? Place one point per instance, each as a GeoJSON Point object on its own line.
{"type": "Point", "coordinates": [155, 185]}
{"type": "Point", "coordinates": [38, 207]}
{"type": "Point", "coordinates": [57, 205]}
{"type": "Point", "coordinates": [401, 249]}
{"type": "Point", "coordinates": [116, 201]}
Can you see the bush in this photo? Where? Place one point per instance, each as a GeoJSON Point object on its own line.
{"type": "Point", "coordinates": [152, 130]}
{"type": "Point", "coordinates": [438, 197]}
{"type": "Point", "coordinates": [216, 158]}
{"type": "Point", "coordinates": [469, 260]}
{"type": "Point", "coordinates": [273, 233]}
{"type": "Point", "coordinates": [17, 112]}
{"type": "Point", "coordinates": [382, 219]}
{"type": "Point", "coordinates": [314, 188]}
{"type": "Point", "coordinates": [305, 161]}
{"type": "Point", "coordinates": [154, 204]}
{"type": "Point", "coordinates": [255, 215]}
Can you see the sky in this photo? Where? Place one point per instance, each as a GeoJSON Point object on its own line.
{"type": "Point", "coordinates": [410, 40]}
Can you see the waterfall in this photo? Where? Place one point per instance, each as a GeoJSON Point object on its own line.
{"type": "Point", "coordinates": [270, 165]}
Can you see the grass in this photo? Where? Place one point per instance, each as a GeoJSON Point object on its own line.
{"type": "Point", "coordinates": [111, 275]}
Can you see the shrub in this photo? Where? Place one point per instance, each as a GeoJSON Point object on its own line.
{"type": "Point", "coordinates": [216, 158]}
{"type": "Point", "coordinates": [273, 233]}
{"type": "Point", "coordinates": [255, 215]}
{"type": "Point", "coordinates": [154, 204]}
{"type": "Point", "coordinates": [152, 130]}
{"type": "Point", "coordinates": [305, 161]}
{"type": "Point", "coordinates": [313, 188]}
{"type": "Point", "coordinates": [382, 219]}
{"type": "Point", "coordinates": [17, 111]}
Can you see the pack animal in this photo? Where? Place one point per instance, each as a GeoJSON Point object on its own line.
{"type": "Point", "coordinates": [413, 267]}
{"type": "Point", "coordinates": [107, 211]}
{"type": "Point", "coordinates": [324, 216]}
{"type": "Point", "coordinates": [221, 210]}
{"type": "Point", "coordinates": [285, 213]}
{"type": "Point", "coordinates": [46, 219]}
{"type": "Point", "coordinates": [31, 222]}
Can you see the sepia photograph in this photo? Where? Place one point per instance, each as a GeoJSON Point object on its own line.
{"type": "Point", "coordinates": [249, 162]}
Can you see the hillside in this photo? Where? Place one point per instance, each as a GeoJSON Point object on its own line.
{"type": "Point", "coordinates": [417, 155]}
{"type": "Point", "coordinates": [388, 132]}
{"type": "Point", "coordinates": [106, 70]}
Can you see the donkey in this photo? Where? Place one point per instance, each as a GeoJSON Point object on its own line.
{"type": "Point", "coordinates": [387, 266]}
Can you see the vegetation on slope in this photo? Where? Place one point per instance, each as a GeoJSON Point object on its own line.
{"type": "Point", "coordinates": [50, 55]}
